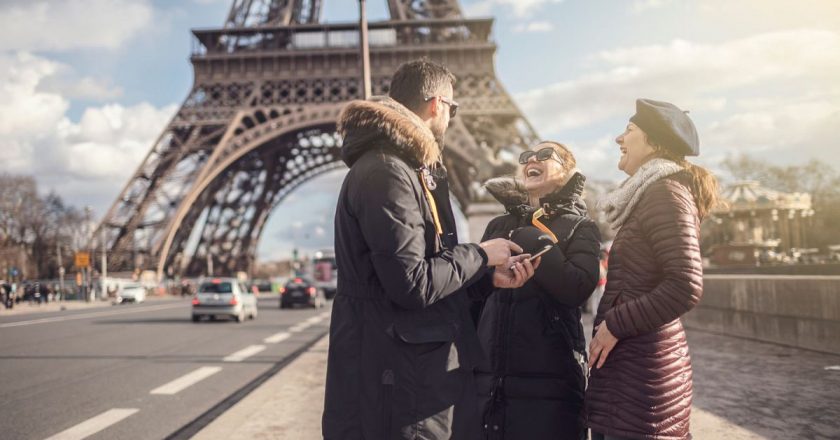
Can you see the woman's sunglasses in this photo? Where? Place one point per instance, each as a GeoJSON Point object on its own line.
{"type": "Point", "coordinates": [453, 106]}
{"type": "Point", "coordinates": [541, 154]}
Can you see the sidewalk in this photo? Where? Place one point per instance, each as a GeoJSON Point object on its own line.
{"type": "Point", "coordinates": [744, 390]}
{"type": "Point", "coordinates": [24, 308]}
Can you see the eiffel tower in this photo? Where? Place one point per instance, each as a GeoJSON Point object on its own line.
{"type": "Point", "coordinates": [260, 120]}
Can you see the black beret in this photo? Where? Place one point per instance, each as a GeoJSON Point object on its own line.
{"type": "Point", "coordinates": [667, 126]}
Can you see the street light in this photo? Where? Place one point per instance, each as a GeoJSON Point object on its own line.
{"type": "Point", "coordinates": [365, 50]}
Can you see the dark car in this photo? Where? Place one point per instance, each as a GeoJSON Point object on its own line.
{"type": "Point", "coordinates": [301, 290]}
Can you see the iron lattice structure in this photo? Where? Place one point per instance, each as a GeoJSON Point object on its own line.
{"type": "Point", "coordinates": [261, 119]}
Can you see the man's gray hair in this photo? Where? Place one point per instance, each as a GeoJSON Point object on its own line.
{"type": "Point", "coordinates": [417, 80]}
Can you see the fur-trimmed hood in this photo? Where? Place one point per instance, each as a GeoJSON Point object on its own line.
{"type": "Point", "coordinates": [382, 122]}
{"type": "Point", "coordinates": [510, 192]}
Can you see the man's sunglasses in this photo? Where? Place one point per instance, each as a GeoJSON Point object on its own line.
{"type": "Point", "coordinates": [541, 154]}
{"type": "Point", "coordinates": [453, 106]}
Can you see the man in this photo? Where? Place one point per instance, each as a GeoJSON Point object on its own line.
{"type": "Point", "coordinates": [402, 343]}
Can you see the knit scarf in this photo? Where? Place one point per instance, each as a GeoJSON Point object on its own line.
{"type": "Point", "coordinates": [618, 204]}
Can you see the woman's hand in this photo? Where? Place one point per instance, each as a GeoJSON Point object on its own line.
{"type": "Point", "coordinates": [602, 344]}
{"type": "Point", "coordinates": [515, 272]}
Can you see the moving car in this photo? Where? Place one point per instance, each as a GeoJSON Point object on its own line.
{"type": "Point", "coordinates": [261, 287]}
{"type": "Point", "coordinates": [302, 290]}
{"type": "Point", "coordinates": [223, 297]}
{"type": "Point", "coordinates": [131, 292]}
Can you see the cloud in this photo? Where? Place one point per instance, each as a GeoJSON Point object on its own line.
{"type": "Point", "coordinates": [71, 24]}
{"type": "Point", "coordinates": [697, 76]}
{"type": "Point", "coordinates": [645, 5]}
{"type": "Point", "coordinates": [771, 94]}
{"type": "Point", "coordinates": [521, 8]}
{"type": "Point", "coordinates": [534, 26]}
{"type": "Point", "coordinates": [97, 153]}
{"type": "Point", "coordinates": [87, 88]}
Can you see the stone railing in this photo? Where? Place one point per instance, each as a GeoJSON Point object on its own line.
{"type": "Point", "coordinates": [799, 311]}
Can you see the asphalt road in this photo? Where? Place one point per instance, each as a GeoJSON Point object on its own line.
{"type": "Point", "coordinates": [140, 371]}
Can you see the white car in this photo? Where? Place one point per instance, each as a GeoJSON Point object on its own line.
{"type": "Point", "coordinates": [131, 292]}
{"type": "Point", "coordinates": [223, 297]}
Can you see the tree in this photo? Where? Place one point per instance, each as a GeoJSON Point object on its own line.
{"type": "Point", "coordinates": [38, 225]}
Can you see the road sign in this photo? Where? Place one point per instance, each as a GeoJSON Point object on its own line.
{"type": "Point", "coordinates": [82, 259]}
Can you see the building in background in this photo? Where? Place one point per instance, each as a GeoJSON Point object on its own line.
{"type": "Point", "coordinates": [758, 226]}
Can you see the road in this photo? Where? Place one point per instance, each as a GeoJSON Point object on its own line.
{"type": "Point", "coordinates": [140, 371]}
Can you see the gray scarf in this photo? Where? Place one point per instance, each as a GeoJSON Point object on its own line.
{"type": "Point", "coordinates": [620, 203]}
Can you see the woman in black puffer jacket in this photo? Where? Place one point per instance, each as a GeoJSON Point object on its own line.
{"type": "Point", "coordinates": [532, 386]}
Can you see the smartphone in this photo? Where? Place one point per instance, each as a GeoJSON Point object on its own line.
{"type": "Point", "coordinates": [537, 255]}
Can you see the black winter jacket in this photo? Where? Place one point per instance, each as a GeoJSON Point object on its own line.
{"type": "Point", "coordinates": [402, 344]}
{"type": "Point", "coordinates": [533, 386]}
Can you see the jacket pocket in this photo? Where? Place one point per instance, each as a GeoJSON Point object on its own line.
{"type": "Point", "coordinates": [425, 333]}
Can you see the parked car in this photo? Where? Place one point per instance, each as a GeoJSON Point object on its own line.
{"type": "Point", "coordinates": [131, 292]}
{"type": "Point", "coordinates": [301, 290]}
{"type": "Point", "coordinates": [223, 297]}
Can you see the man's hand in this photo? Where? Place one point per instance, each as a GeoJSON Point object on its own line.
{"type": "Point", "coordinates": [515, 272]}
{"type": "Point", "coordinates": [499, 250]}
{"type": "Point", "coordinates": [602, 344]}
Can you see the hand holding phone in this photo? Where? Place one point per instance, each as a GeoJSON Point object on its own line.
{"type": "Point", "coordinates": [539, 253]}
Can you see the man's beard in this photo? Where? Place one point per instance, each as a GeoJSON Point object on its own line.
{"type": "Point", "coordinates": [440, 137]}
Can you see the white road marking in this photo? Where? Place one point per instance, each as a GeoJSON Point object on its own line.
{"type": "Point", "coordinates": [315, 319]}
{"type": "Point", "coordinates": [300, 327]}
{"type": "Point", "coordinates": [832, 368]}
{"type": "Point", "coordinates": [326, 314]}
{"type": "Point", "coordinates": [95, 424]}
{"type": "Point", "coordinates": [186, 381]}
{"type": "Point", "coordinates": [279, 337]}
{"type": "Point", "coordinates": [89, 315]}
{"type": "Point", "coordinates": [245, 353]}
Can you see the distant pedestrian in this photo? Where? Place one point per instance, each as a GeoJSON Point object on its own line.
{"type": "Point", "coordinates": [402, 343]}
{"type": "Point", "coordinates": [640, 385]}
{"type": "Point", "coordinates": [8, 295]}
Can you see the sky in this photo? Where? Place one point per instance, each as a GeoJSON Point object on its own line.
{"type": "Point", "coordinates": [86, 86]}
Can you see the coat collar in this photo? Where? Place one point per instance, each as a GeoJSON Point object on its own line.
{"type": "Point", "coordinates": [567, 199]}
{"type": "Point", "coordinates": [382, 122]}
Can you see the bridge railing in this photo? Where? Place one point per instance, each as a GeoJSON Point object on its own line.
{"type": "Point", "coordinates": [308, 37]}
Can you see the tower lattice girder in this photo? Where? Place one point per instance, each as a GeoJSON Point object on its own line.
{"type": "Point", "coordinates": [260, 120]}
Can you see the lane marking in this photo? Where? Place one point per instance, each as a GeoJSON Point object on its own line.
{"type": "Point", "coordinates": [315, 319]}
{"type": "Point", "coordinates": [186, 381]}
{"type": "Point", "coordinates": [300, 327]}
{"type": "Point", "coordinates": [245, 353]}
{"type": "Point", "coordinates": [93, 425]}
{"type": "Point", "coordinates": [326, 314]}
{"type": "Point", "coordinates": [88, 315]}
{"type": "Point", "coordinates": [279, 337]}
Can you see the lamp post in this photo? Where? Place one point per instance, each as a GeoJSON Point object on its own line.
{"type": "Point", "coordinates": [365, 50]}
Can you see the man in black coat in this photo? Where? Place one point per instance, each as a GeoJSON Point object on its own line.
{"type": "Point", "coordinates": [402, 343]}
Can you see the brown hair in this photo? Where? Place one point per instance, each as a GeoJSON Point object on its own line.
{"type": "Point", "coordinates": [704, 185]}
{"type": "Point", "coordinates": [417, 80]}
{"type": "Point", "coordinates": [569, 162]}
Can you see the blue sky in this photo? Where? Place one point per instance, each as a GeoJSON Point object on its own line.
{"type": "Point", "coordinates": [87, 85]}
